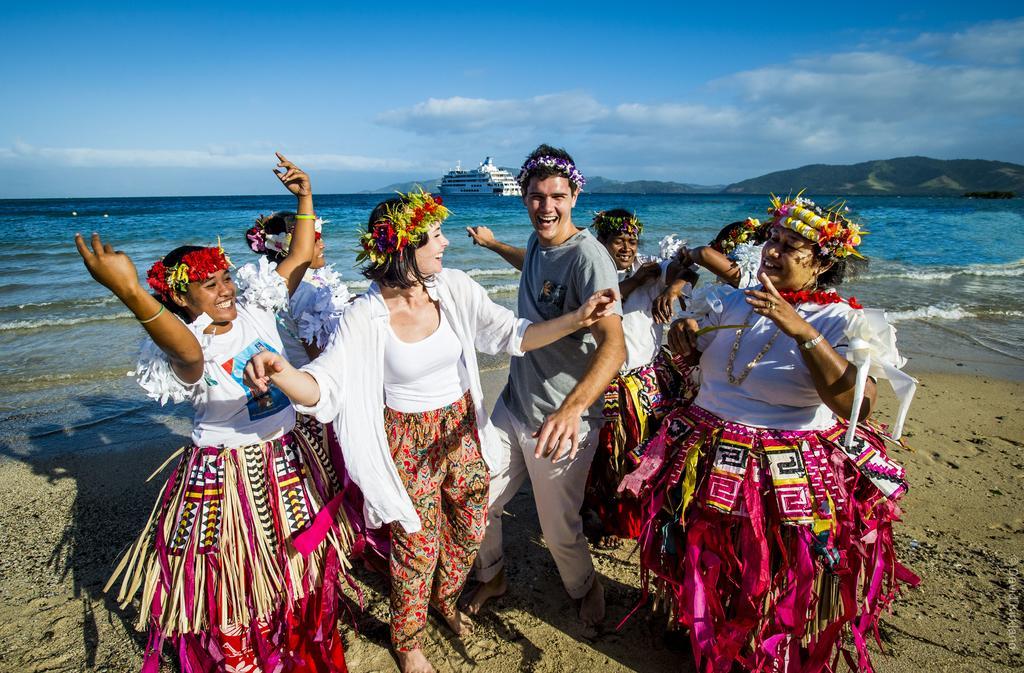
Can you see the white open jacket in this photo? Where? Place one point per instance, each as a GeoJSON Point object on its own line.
{"type": "Point", "coordinates": [350, 373]}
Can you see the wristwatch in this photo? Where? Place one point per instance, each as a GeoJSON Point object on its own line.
{"type": "Point", "coordinates": [811, 343]}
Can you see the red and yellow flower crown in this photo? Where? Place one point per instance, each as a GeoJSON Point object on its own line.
{"type": "Point", "coordinates": [194, 267]}
{"type": "Point", "coordinates": [609, 226]}
{"type": "Point", "coordinates": [740, 233]}
{"type": "Point", "coordinates": [401, 225]}
{"type": "Point", "coordinates": [836, 236]}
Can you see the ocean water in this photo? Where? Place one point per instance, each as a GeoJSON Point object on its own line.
{"type": "Point", "coordinates": [949, 272]}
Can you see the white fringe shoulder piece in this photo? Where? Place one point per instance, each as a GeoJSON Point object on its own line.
{"type": "Point", "coordinates": [317, 316]}
{"type": "Point", "coordinates": [154, 374]}
{"type": "Point", "coordinates": [260, 286]}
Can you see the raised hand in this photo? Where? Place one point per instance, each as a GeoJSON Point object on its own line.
{"type": "Point", "coordinates": [260, 368]}
{"type": "Point", "coordinates": [292, 177]}
{"type": "Point", "coordinates": [597, 306]}
{"type": "Point", "coordinates": [110, 268]}
{"type": "Point", "coordinates": [769, 303]}
{"type": "Point", "coordinates": [481, 235]}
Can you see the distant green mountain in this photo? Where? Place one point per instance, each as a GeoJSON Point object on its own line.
{"type": "Point", "coordinates": [907, 176]}
{"type": "Point", "coordinates": [599, 185]}
{"type": "Point", "coordinates": [595, 185]}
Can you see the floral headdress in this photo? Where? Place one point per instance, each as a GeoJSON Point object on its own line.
{"type": "Point", "coordinates": [194, 267]}
{"type": "Point", "coordinates": [401, 225]}
{"type": "Point", "coordinates": [564, 166]}
{"type": "Point", "coordinates": [836, 236]}
{"type": "Point", "coordinates": [609, 226]}
{"type": "Point", "coordinates": [264, 242]}
{"type": "Point", "coordinates": [741, 233]}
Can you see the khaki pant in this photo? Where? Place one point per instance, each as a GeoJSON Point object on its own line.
{"type": "Point", "coordinates": [558, 493]}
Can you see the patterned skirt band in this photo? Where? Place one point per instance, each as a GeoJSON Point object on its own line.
{"type": "Point", "coordinates": [219, 560]}
{"type": "Point", "coordinates": [767, 544]}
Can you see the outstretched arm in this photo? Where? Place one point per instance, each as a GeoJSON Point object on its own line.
{"type": "Point", "coordinates": [484, 237]}
{"type": "Point", "coordinates": [114, 270]}
{"type": "Point", "coordinates": [559, 434]}
{"type": "Point", "coordinates": [540, 334]}
{"type": "Point", "coordinates": [265, 368]}
{"type": "Point", "coordinates": [300, 250]}
{"type": "Point", "coordinates": [713, 261]}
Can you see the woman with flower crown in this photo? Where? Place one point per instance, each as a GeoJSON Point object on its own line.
{"type": "Point", "coordinates": [770, 498]}
{"type": "Point", "coordinates": [399, 378]}
{"type": "Point", "coordinates": [306, 324]}
{"type": "Point", "coordinates": [241, 562]}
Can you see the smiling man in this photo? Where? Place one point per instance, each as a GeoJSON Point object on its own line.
{"type": "Point", "coordinates": [549, 415]}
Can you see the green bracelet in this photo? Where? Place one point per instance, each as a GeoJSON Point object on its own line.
{"type": "Point", "coordinates": [305, 217]}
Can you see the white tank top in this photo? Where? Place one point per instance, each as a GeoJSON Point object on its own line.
{"type": "Point", "coordinates": [424, 375]}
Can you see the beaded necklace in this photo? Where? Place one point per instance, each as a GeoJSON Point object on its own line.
{"type": "Point", "coordinates": [738, 380]}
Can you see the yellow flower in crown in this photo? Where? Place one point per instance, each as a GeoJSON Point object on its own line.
{"type": "Point", "coordinates": [836, 236]}
{"type": "Point", "coordinates": [402, 224]}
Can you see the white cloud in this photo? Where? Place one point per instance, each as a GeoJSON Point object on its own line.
{"type": "Point", "coordinates": [835, 108]}
{"type": "Point", "coordinates": [211, 158]}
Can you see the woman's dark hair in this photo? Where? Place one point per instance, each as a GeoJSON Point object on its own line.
{"type": "Point", "coordinates": [616, 213]}
{"type": "Point", "coordinates": [842, 270]}
{"type": "Point", "coordinates": [400, 271]}
{"type": "Point", "coordinates": [276, 223]}
{"type": "Point", "coordinates": [541, 172]}
{"type": "Point", "coordinates": [756, 238]}
{"type": "Point", "coordinates": [173, 258]}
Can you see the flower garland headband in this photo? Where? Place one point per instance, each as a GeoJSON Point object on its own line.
{"type": "Point", "coordinates": [835, 235]}
{"type": "Point", "coordinates": [194, 267]}
{"type": "Point", "coordinates": [563, 166]}
{"type": "Point", "coordinates": [401, 225]}
{"type": "Point", "coordinates": [608, 226]}
{"type": "Point", "coordinates": [739, 234]}
{"type": "Point", "coordinates": [266, 243]}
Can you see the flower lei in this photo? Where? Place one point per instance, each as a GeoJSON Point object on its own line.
{"type": "Point", "coordinates": [195, 267]}
{"type": "Point", "coordinates": [835, 235]}
{"type": "Point", "coordinates": [608, 226]}
{"type": "Point", "coordinates": [401, 225]}
{"type": "Point", "coordinates": [741, 233]}
{"type": "Point", "coordinates": [263, 242]}
{"type": "Point", "coordinates": [796, 297]}
{"type": "Point", "coordinates": [561, 165]}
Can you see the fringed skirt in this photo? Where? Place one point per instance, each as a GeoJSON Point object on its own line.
{"type": "Point", "coordinates": [634, 405]}
{"type": "Point", "coordinates": [770, 546]}
{"type": "Point", "coordinates": [243, 559]}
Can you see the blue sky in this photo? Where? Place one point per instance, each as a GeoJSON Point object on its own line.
{"type": "Point", "coordinates": [127, 99]}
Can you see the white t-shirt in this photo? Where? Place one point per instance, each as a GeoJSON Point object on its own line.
{"type": "Point", "coordinates": [226, 411]}
{"type": "Point", "coordinates": [779, 392]}
{"type": "Point", "coordinates": [643, 335]}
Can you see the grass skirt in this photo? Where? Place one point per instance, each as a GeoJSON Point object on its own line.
{"type": "Point", "coordinates": [634, 405]}
{"type": "Point", "coordinates": [768, 545]}
{"type": "Point", "coordinates": [245, 546]}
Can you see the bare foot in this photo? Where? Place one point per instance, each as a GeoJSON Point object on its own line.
{"type": "Point", "coordinates": [413, 661]}
{"type": "Point", "coordinates": [485, 591]}
{"type": "Point", "coordinates": [460, 623]}
{"type": "Point", "coordinates": [592, 605]}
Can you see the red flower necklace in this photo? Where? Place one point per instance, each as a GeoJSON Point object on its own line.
{"type": "Point", "coordinates": [796, 297]}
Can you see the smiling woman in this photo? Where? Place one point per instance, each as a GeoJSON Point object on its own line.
{"type": "Point", "coordinates": [229, 570]}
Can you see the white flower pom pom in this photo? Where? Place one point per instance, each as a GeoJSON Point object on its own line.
{"type": "Point", "coordinates": [670, 246]}
{"type": "Point", "coordinates": [262, 286]}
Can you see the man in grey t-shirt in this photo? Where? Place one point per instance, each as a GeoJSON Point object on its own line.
{"type": "Point", "coordinates": [549, 414]}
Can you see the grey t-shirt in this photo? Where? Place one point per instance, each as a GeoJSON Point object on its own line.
{"type": "Point", "coordinates": [557, 280]}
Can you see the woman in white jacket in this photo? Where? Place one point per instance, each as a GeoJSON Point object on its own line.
{"type": "Point", "coordinates": [400, 380]}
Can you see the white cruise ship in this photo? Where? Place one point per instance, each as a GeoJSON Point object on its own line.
{"type": "Point", "coordinates": [487, 179]}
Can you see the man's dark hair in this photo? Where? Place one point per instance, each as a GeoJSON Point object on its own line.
{"type": "Point", "coordinates": [400, 270]}
{"type": "Point", "coordinates": [541, 172]}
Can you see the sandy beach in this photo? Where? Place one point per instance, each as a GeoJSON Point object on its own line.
{"type": "Point", "coordinates": [72, 501]}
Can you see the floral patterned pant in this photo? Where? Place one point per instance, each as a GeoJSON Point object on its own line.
{"type": "Point", "coordinates": [437, 454]}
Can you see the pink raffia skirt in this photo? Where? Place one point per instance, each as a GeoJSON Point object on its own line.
{"type": "Point", "coordinates": [241, 564]}
{"type": "Point", "coordinates": [768, 545]}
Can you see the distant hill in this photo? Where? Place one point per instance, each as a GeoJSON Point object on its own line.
{"type": "Point", "coordinates": [599, 185]}
{"type": "Point", "coordinates": [907, 176]}
{"type": "Point", "coordinates": [595, 185]}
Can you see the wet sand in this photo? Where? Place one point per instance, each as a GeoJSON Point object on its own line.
{"type": "Point", "coordinates": [73, 500]}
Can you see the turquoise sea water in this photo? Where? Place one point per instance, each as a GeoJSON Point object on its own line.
{"type": "Point", "coordinates": [949, 271]}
